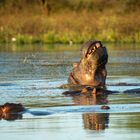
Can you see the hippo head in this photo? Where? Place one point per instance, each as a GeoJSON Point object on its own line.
{"type": "Point", "coordinates": [91, 68]}
{"type": "Point", "coordinates": [11, 111]}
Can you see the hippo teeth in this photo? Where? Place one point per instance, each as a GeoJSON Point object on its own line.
{"type": "Point", "coordinates": [97, 45]}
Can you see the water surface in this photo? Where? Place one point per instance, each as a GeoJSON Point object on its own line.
{"type": "Point", "coordinates": [32, 75]}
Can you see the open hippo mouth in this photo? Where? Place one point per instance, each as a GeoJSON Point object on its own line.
{"type": "Point", "coordinates": [94, 52]}
{"type": "Point", "coordinates": [91, 68]}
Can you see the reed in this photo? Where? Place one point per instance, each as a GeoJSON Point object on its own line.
{"type": "Point", "coordinates": [34, 26]}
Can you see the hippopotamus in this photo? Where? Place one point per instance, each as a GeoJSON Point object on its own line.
{"type": "Point", "coordinates": [10, 111]}
{"type": "Point", "coordinates": [91, 70]}
{"type": "Point", "coordinates": [14, 111]}
{"type": "Point", "coordinates": [89, 74]}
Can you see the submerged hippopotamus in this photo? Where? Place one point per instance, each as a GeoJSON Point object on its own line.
{"type": "Point", "coordinates": [14, 111]}
{"type": "Point", "coordinates": [91, 70]}
{"type": "Point", "coordinates": [10, 111]}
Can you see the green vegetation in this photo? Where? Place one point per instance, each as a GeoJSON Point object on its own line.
{"type": "Point", "coordinates": [67, 21]}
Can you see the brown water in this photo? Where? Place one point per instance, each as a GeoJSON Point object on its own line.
{"type": "Point", "coordinates": [31, 75]}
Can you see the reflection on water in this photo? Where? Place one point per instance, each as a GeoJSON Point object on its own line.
{"type": "Point", "coordinates": [96, 121]}
{"type": "Point", "coordinates": [93, 121]}
{"type": "Point", "coordinates": [31, 75]}
{"type": "Point", "coordinates": [90, 99]}
{"type": "Point", "coordinates": [11, 117]}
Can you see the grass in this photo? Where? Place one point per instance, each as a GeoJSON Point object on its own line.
{"type": "Point", "coordinates": [69, 27]}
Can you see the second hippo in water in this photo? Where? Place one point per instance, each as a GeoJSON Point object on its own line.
{"type": "Point", "coordinates": [11, 111]}
{"type": "Point", "coordinates": [91, 69]}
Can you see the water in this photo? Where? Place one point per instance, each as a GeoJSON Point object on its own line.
{"type": "Point", "coordinates": [32, 75]}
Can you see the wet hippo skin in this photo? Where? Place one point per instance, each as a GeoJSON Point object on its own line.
{"type": "Point", "coordinates": [90, 72]}
{"type": "Point", "coordinates": [91, 69]}
{"type": "Point", "coordinates": [10, 111]}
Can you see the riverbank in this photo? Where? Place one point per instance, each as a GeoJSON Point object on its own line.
{"type": "Point", "coordinates": [33, 26]}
